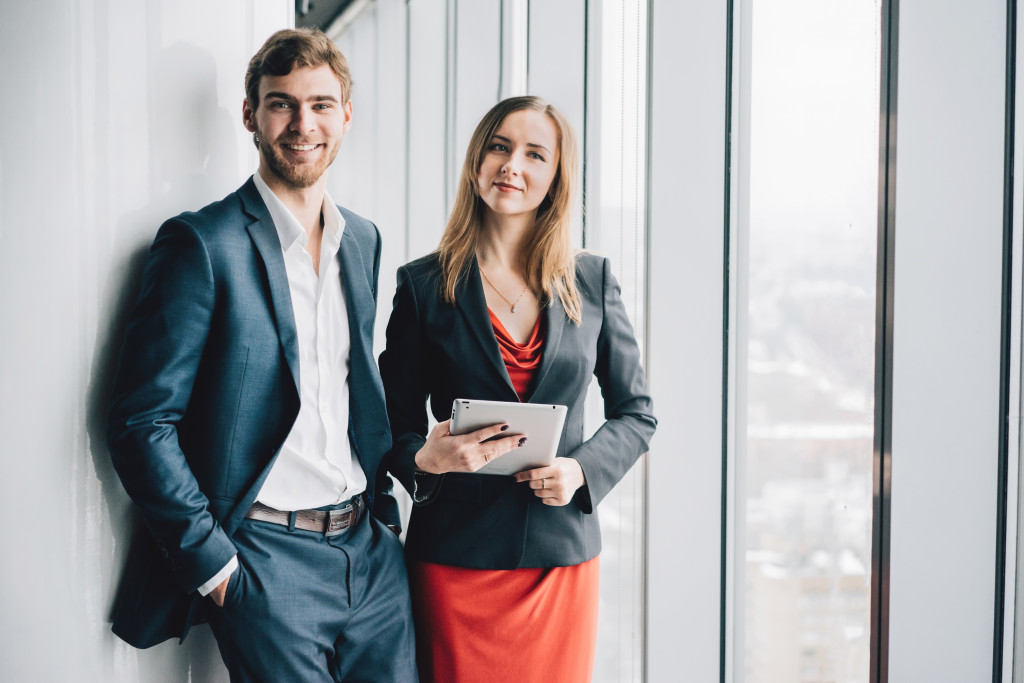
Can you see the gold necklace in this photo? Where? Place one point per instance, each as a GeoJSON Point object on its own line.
{"type": "Point", "coordinates": [513, 304]}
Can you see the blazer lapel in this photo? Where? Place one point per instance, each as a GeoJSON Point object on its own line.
{"type": "Point", "coordinates": [361, 310]}
{"type": "Point", "coordinates": [469, 299]}
{"type": "Point", "coordinates": [556, 320]}
{"type": "Point", "coordinates": [268, 244]}
{"type": "Point", "coordinates": [358, 297]}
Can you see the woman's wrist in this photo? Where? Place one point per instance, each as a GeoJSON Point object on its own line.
{"type": "Point", "coordinates": [420, 461]}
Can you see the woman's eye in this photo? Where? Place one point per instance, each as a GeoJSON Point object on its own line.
{"type": "Point", "coordinates": [536, 155]}
{"type": "Point", "coordinates": [498, 147]}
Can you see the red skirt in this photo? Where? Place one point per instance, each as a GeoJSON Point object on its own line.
{"type": "Point", "coordinates": [517, 625]}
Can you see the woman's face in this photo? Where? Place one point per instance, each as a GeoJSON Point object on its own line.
{"type": "Point", "coordinates": [519, 164]}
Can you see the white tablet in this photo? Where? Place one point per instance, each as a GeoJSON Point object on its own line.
{"type": "Point", "coordinates": [541, 423]}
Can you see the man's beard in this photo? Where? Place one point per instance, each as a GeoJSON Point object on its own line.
{"type": "Point", "coordinates": [298, 176]}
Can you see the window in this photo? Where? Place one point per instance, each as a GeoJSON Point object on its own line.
{"type": "Point", "coordinates": [805, 347]}
{"type": "Point", "coordinates": [615, 226]}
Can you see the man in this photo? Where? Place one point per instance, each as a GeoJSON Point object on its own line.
{"type": "Point", "coordinates": [248, 423]}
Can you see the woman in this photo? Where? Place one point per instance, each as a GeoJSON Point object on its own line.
{"type": "Point", "coordinates": [503, 569]}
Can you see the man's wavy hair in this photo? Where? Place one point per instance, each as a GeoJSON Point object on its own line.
{"type": "Point", "coordinates": [291, 48]}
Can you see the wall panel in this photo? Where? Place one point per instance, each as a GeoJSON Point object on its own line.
{"type": "Point", "coordinates": [127, 113]}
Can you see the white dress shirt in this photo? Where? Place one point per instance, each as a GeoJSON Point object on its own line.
{"type": "Point", "coordinates": [316, 465]}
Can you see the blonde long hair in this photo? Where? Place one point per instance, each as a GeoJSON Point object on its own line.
{"type": "Point", "coordinates": [550, 258]}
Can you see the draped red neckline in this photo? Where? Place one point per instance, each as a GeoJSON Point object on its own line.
{"type": "Point", "coordinates": [521, 360]}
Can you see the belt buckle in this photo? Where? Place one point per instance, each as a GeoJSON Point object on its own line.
{"type": "Point", "coordinates": [339, 521]}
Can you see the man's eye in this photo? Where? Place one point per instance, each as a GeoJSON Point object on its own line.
{"type": "Point", "coordinates": [280, 105]}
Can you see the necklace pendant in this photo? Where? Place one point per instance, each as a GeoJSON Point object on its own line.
{"type": "Point", "coordinates": [513, 309]}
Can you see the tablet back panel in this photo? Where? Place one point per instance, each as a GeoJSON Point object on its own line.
{"type": "Point", "coordinates": [540, 423]}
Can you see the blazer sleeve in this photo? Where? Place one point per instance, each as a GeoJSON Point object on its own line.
{"type": "Point", "coordinates": [629, 420]}
{"type": "Point", "coordinates": [384, 503]}
{"type": "Point", "coordinates": [164, 342]}
{"type": "Point", "coordinates": [403, 374]}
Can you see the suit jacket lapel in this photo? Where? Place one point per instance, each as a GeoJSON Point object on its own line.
{"type": "Point", "coordinates": [556, 321]}
{"type": "Point", "coordinates": [361, 309]}
{"type": "Point", "coordinates": [469, 299]}
{"type": "Point", "coordinates": [268, 244]}
{"type": "Point", "coordinates": [358, 297]}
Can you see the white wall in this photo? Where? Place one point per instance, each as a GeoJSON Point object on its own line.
{"type": "Point", "coordinates": [119, 114]}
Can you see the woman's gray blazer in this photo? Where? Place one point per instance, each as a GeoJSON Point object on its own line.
{"type": "Point", "coordinates": [441, 351]}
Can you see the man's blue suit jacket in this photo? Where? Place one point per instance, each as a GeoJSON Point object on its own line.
{"type": "Point", "coordinates": [207, 390]}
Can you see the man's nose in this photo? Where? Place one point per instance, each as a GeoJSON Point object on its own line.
{"type": "Point", "coordinates": [302, 120]}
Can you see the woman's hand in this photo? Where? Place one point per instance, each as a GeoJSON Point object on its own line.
{"type": "Point", "coordinates": [555, 484]}
{"type": "Point", "coordinates": [464, 453]}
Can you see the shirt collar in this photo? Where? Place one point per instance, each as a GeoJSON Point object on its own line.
{"type": "Point", "coordinates": [289, 231]}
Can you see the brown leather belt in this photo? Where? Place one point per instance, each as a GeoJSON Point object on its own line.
{"type": "Point", "coordinates": [327, 522]}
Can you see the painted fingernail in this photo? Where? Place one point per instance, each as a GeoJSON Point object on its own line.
{"type": "Point", "coordinates": [522, 441]}
{"type": "Point", "coordinates": [504, 427]}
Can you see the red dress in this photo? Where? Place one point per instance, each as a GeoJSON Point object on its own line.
{"type": "Point", "coordinates": [529, 625]}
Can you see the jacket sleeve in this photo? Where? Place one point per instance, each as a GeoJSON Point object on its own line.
{"type": "Point", "coordinates": [402, 371]}
{"type": "Point", "coordinates": [629, 421]}
{"type": "Point", "coordinates": [384, 503]}
{"type": "Point", "coordinates": [164, 342]}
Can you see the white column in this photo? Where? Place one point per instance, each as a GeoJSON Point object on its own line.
{"type": "Point", "coordinates": [945, 398]}
{"type": "Point", "coordinates": [687, 221]}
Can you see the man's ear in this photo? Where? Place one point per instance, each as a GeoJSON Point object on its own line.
{"type": "Point", "coordinates": [348, 116]}
{"type": "Point", "coordinates": [248, 116]}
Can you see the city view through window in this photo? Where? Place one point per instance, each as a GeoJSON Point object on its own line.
{"type": "Point", "coordinates": [805, 476]}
